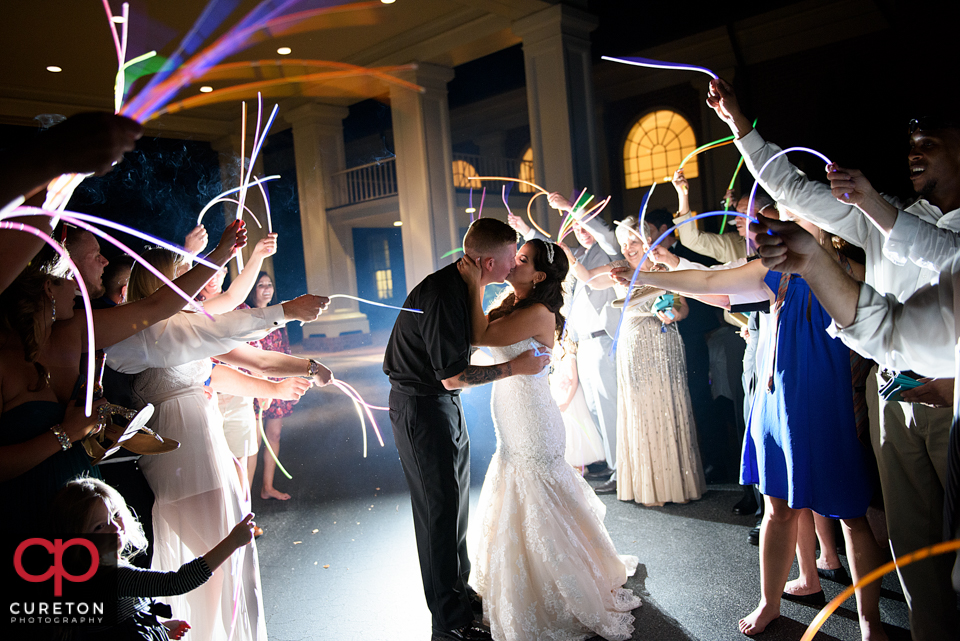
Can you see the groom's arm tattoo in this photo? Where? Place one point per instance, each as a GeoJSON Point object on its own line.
{"type": "Point", "coordinates": [483, 374]}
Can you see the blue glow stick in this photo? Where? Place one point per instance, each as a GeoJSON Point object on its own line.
{"type": "Point", "coordinates": [373, 302]}
{"type": "Point", "coordinates": [658, 64]}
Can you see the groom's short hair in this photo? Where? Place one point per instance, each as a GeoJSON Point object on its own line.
{"type": "Point", "coordinates": [488, 235]}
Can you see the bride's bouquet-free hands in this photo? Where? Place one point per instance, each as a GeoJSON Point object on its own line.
{"type": "Point", "coordinates": [470, 273]}
{"type": "Point", "coordinates": [530, 363]}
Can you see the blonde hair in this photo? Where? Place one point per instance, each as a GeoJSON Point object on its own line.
{"type": "Point", "coordinates": [143, 282]}
{"type": "Point", "coordinates": [72, 506]}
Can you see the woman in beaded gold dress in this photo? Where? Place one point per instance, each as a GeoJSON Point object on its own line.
{"type": "Point", "coordinates": [658, 459]}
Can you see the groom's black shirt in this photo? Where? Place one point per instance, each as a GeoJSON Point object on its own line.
{"type": "Point", "coordinates": [426, 348]}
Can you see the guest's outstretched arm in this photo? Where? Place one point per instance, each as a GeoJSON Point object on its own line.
{"type": "Point", "coordinates": [746, 281]}
{"type": "Point", "coordinates": [240, 287]}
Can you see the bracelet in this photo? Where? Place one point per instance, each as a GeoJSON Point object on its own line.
{"type": "Point", "coordinates": [62, 437]}
{"type": "Point", "coordinates": [314, 368]}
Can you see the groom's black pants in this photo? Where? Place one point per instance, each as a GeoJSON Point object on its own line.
{"type": "Point", "coordinates": [431, 436]}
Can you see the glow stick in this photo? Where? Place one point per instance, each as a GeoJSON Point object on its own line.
{"type": "Point", "coordinates": [643, 208]}
{"type": "Point", "coordinates": [373, 302]}
{"type": "Point", "coordinates": [710, 145]}
{"type": "Point", "coordinates": [266, 442]}
{"type": "Point", "coordinates": [361, 406]}
{"type": "Point", "coordinates": [656, 243]}
{"type": "Point", "coordinates": [266, 207]}
{"type": "Point", "coordinates": [483, 195]}
{"type": "Point", "coordinates": [255, 181]}
{"type": "Point", "coordinates": [143, 262]}
{"type": "Point", "coordinates": [508, 179]}
{"type": "Point", "coordinates": [657, 64]}
{"type": "Point", "coordinates": [10, 206]}
{"type": "Point", "coordinates": [221, 199]}
{"type": "Point", "coordinates": [91, 342]}
{"type": "Point", "coordinates": [504, 194]}
{"type": "Point", "coordinates": [530, 215]}
{"type": "Point", "coordinates": [26, 211]}
{"type": "Point", "coordinates": [905, 560]}
{"type": "Point", "coordinates": [735, 172]}
{"type": "Point", "coordinates": [452, 252]}
{"type": "Point", "coordinates": [753, 191]}
{"type": "Point", "coordinates": [470, 208]}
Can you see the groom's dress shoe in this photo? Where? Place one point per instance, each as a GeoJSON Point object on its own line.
{"type": "Point", "coordinates": [471, 632]}
{"type": "Point", "coordinates": [600, 475]}
{"type": "Point", "coordinates": [610, 487]}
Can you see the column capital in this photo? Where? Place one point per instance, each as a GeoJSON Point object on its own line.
{"type": "Point", "coordinates": [317, 113]}
{"type": "Point", "coordinates": [430, 76]}
{"type": "Point", "coordinates": [556, 20]}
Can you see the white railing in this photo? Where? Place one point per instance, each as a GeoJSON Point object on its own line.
{"type": "Point", "coordinates": [379, 179]}
{"type": "Point", "coordinates": [366, 182]}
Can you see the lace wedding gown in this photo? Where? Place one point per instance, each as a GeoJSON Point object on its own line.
{"type": "Point", "coordinates": [545, 565]}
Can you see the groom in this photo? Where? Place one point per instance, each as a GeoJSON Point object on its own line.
{"type": "Point", "coordinates": [428, 362]}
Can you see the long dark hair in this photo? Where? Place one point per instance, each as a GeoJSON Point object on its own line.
{"type": "Point", "coordinates": [548, 292]}
{"type": "Point", "coordinates": [22, 303]}
{"type": "Point", "coordinates": [252, 296]}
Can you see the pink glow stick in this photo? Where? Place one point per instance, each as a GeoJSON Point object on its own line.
{"type": "Point", "coordinates": [91, 341]}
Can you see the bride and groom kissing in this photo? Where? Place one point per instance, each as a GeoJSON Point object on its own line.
{"type": "Point", "coordinates": [545, 562]}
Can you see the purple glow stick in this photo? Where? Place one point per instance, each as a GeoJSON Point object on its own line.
{"type": "Point", "coordinates": [504, 193]}
{"type": "Point", "coordinates": [91, 342]}
{"type": "Point", "coordinates": [756, 183]}
{"type": "Point", "coordinates": [29, 211]}
{"type": "Point", "coordinates": [223, 199]}
{"type": "Point", "coordinates": [656, 243]}
{"type": "Point", "coordinates": [483, 195]}
{"type": "Point", "coordinates": [658, 64]}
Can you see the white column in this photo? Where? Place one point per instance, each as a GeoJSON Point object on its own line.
{"type": "Point", "coordinates": [319, 152]}
{"type": "Point", "coordinates": [556, 51]}
{"type": "Point", "coordinates": [421, 135]}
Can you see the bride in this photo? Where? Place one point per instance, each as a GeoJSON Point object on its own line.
{"type": "Point", "coordinates": [545, 566]}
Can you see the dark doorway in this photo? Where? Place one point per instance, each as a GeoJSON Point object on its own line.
{"type": "Point", "coordinates": [378, 254]}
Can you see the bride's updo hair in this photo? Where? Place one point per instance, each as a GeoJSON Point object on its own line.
{"type": "Point", "coordinates": [549, 291]}
{"type": "Point", "coordinates": [143, 282]}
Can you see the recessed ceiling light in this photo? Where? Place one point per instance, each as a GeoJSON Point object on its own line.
{"type": "Point", "coordinates": [396, 223]}
{"type": "Point", "coordinates": [388, 1]}
{"type": "Point", "coordinates": [206, 89]}
{"type": "Point", "coordinates": [54, 69]}
{"type": "Point", "coordinates": [284, 51]}
{"type": "Point", "coordinates": [471, 210]}
{"type": "Point", "coordinates": [119, 19]}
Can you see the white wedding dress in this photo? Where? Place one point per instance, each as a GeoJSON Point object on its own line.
{"type": "Point", "coordinates": [545, 565]}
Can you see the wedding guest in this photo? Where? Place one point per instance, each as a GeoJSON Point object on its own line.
{"type": "Point", "coordinates": [913, 439]}
{"type": "Point", "coordinates": [658, 457]}
{"type": "Point", "coordinates": [802, 446]}
{"type": "Point", "coordinates": [723, 248]}
{"type": "Point", "coordinates": [200, 488]}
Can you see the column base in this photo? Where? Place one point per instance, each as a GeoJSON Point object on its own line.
{"type": "Point", "coordinates": [336, 331]}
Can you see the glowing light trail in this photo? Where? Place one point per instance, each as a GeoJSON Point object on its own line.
{"type": "Point", "coordinates": [658, 64]}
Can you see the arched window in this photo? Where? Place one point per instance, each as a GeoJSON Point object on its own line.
{"type": "Point", "coordinates": [462, 170]}
{"type": "Point", "coordinates": [655, 146]}
{"type": "Point", "coordinates": [526, 172]}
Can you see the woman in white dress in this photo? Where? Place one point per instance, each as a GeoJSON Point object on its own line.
{"type": "Point", "coordinates": [545, 566]}
{"type": "Point", "coordinates": [200, 489]}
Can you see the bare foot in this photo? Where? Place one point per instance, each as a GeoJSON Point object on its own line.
{"type": "Point", "coordinates": [797, 587]}
{"type": "Point", "coordinates": [872, 631]}
{"type": "Point", "coordinates": [271, 493]}
{"type": "Point", "coordinates": [758, 620]}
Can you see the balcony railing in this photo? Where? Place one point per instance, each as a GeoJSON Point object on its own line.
{"type": "Point", "coordinates": [379, 179]}
{"type": "Point", "coordinates": [366, 182]}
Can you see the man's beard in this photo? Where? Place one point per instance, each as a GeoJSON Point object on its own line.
{"type": "Point", "coordinates": [927, 189]}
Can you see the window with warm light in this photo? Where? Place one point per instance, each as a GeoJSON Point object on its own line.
{"type": "Point", "coordinates": [655, 147]}
{"type": "Point", "coordinates": [526, 171]}
{"type": "Point", "coordinates": [462, 170]}
{"type": "Point", "coordinates": [384, 277]}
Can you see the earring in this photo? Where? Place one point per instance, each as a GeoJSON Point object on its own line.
{"type": "Point", "coordinates": [534, 286]}
{"type": "Point", "coordinates": [53, 303]}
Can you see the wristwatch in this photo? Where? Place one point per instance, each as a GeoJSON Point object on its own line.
{"type": "Point", "coordinates": [314, 368]}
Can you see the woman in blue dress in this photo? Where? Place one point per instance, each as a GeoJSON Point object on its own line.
{"type": "Point", "coordinates": [801, 445]}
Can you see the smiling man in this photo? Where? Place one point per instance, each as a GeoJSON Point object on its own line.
{"type": "Point", "coordinates": [905, 249]}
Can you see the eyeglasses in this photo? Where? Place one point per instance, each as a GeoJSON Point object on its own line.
{"type": "Point", "coordinates": [929, 123]}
